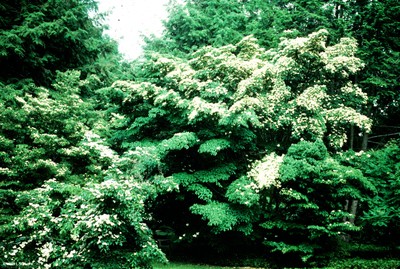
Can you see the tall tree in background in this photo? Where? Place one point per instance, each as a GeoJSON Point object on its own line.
{"type": "Point", "coordinates": [37, 38]}
{"type": "Point", "coordinates": [217, 23]}
{"type": "Point", "coordinates": [377, 30]}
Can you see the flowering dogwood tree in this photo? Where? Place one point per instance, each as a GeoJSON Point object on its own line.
{"type": "Point", "coordinates": [217, 124]}
{"type": "Point", "coordinates": [68, 199]}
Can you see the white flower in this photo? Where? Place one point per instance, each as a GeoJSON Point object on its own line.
{"type": "Point", "coordinates": [46, 250]}
{"type": "Point", "coordinates": [71, 254]}
{"type": "Point", "coordinates": [31, 221]}
{"type": "Point", "coordinates": [266, 171]}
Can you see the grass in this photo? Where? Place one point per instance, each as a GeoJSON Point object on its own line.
{"type": "Point", "coordinates": [175, 265]}
{"type": "Point", "coordinates": [340, 264]}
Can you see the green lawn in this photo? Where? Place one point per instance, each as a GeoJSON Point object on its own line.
{"type": "Point", "coordinates": [340, 264]}
{"type": "Point", "coordinates": [173, 265]}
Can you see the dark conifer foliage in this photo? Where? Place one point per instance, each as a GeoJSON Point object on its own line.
{"type": "Point", "coordinates": [39, 37]}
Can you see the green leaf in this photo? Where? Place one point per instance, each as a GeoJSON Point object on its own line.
{"type": "Point", "coordinates": [213, 146]}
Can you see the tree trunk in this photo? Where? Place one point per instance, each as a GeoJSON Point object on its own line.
{"type": "Point", "coordinates": [354, 203]}
{"type": "Point", "coordinates": [364, 145]}
{"type": "Point", "coordinates": [352, 136]}
{"type": "Point", "coordinates": [346, 209]}
{"type": "Point", "coordinates": [353, 211]}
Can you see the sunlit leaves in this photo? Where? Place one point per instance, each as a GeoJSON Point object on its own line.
{"type": "Point", "coordinates": [213, 146]}
{"type": "Point", "coordinates": [221, 216]}
{"type": "Point", "coordinates": [179, 141]}
{"type": "Point", "coordinates": [243, 191]}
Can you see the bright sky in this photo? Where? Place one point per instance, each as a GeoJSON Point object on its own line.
{"type": "Point", "coordinates": [130, 19]}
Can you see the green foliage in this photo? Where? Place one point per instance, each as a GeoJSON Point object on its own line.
{"type": "Point", "coordinates": [375, 29]}
{"type": "Point", "coordinates": [99, 225]}
{"type": "Point", "coordinates": [213, 146]}
{"type": "Point", "coordinates": [38, 38]}
{"type": "Point", "coordinates": [179, 141]}
{"type": "Point", "coordinates": [306, 217]}
{"type": "Point", "coordinates": [243, 191]}
{"type": "Point", "coordinates": [380, 214]}
{"type": "Point", "coordinates": [47, 133]}
{"type": "Point", "coordinates": [68, 199]}
{"type": "Point", "coordinates": [220, 215]}
{"type": "Point", "coordinates": [42, 134]}
{"type": "Point", "coordinates": [228, 138]}
{"type": "Point", "coordinates": [206, 128]}
{"type": "Point", "coordinates": [195, 24]}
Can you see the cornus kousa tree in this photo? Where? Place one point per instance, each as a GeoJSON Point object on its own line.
{"type": "Point", "coordinates": [98, 225]}
{"type": "Point", "coordinates": [217, 124]}
{"type": "Point", "coordinates": [67, 199]}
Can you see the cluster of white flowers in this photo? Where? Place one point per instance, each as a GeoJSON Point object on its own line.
{"type": "Point", "coordinates": [249, 48]}
{"type": "Point", "coordinates": [145, 152]}
{"type": "Point", "coordinates": [208, 89]}
{"type": "Point", "coordinates": [341, 63]}
{"type": "Point", "coordinates": [104, 219]}
{"type": "Point", "coordinates": [348, 115]}
{"type": "Point", "coordinates": [46, 163]}
{"type": "Point", "coordinates": [117, 120]}
{"type": "Point", "coordinates": [341, 57]}
{"type": "Point", "coordinates": [45, 252]}
{"type": "Point", "coordinates": [165, 65]}
{"type": "Point", "coordinates": [279, 94]}
{"type": "Point", "coordinates": [5, 171]}
{"type": "Point", "coordinates": [312, 98]}
{"type": "Point", "coordinates": [71, 254]}
{"type": "Point", "coordinates": [266, 171]}
{"type": "Point", "coordinates": [94, 141]}
{"type": "Point", "coordinates": [199, 106]}
{"type": "Point", "coordinates": [244, 193]}
{"type": "Point", "coordinates": [181, 72]}
{"type": "Point", "coordinates": [243, 105]}
{"type": "Point", "coordinates": [255, 84]}
{"type": "Point", "coordinates": [303, 124]}
{"type": "Point", "coordinates": [125, 86]}
{"type": "Point", "coordinates": [337, 138]}
{"type": "Point", "coordinates": [169, 97]}
{"type": "Point", "coordinates": [354, 92]}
